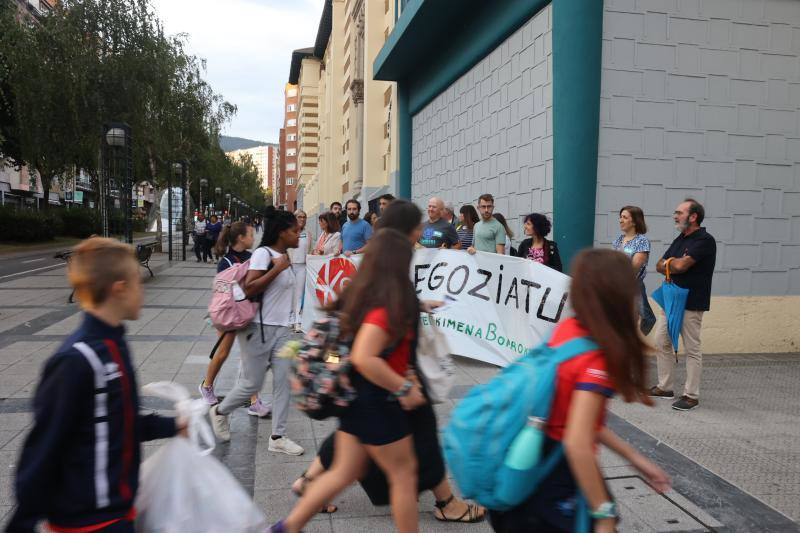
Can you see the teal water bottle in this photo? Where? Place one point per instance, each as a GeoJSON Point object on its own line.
{"type": "Point", "coordinates": [526, 448]}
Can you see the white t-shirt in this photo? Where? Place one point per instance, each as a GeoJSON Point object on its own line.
{"type": "Point", "coordinates": [276, 304]}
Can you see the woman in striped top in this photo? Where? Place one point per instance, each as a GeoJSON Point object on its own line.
{"type": "Point", "coordinates": [467, 218]}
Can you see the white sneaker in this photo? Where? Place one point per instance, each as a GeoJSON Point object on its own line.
{"type": "Point", "coordinates": [220, 424]}
{"type": "Point", "coordinates": [285, 445]}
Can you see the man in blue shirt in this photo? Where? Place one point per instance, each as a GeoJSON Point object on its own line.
{"type": "Point", "coordinates": [356, 231]}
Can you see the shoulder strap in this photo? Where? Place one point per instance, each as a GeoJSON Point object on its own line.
{"type": "Point", "coordinates": [573, 348]}
{"type": "Point", "coordinates": [230, 264]}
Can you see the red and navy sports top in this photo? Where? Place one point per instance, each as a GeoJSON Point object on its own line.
{"type": "Point", "coordinates": [586, 372]}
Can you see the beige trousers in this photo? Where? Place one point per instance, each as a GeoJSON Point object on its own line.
{"type": "Point", "coordinates": [666, 358]}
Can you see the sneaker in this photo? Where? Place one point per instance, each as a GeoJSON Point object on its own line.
{"type": "Point", "coordinates": [220, 424]}
{"type": "Point", "coordinates": [259, 409]}
{"type": "Point", "coordinates": [277, 527]}
{"type": "Point", "coordinates": [208, 393]}
{"type": "Point", "coordinates": [655, 392]}
{"type": "Point", "coordinates": [685, 404]}
{"type": "Point", "coordinates": [285, 445]}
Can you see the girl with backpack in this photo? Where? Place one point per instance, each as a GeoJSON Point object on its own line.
{"type": "Point", "coordinates": [233, 246]}
{"type": "Point", "coordinates": [269, 281]}
{"type": "Point", "coordinates": [379, 311]}
{"type": "Point", "coordinates": [404, 216]}
{"type": "Point", "coordinates": [604, 298]}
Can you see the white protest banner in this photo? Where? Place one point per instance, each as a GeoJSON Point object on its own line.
{"type": "Point", "coordinates": [496, 306]}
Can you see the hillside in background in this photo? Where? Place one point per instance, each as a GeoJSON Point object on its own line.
{"type": "Point", "coordinates": [229, 144]}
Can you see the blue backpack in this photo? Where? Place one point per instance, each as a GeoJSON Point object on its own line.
{"type": "Point", "coordinates": [493, 424]}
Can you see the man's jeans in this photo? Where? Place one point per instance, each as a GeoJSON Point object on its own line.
{"type": "Point", "coordinates": [690, 331]}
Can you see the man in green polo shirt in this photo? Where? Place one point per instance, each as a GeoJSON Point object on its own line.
{"type": "Point", "coordinates": [489, 234]}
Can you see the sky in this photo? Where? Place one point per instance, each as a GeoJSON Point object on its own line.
{"type": "Point", "coordinates": [248, 46]}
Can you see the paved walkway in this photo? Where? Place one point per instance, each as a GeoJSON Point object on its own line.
{"type": "Point", "coordinates": [731, 459]}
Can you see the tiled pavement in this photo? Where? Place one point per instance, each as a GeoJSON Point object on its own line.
{"type": "Point", "coordinates": [743, 439]}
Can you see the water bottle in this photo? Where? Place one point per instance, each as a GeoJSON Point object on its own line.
{"type": "Point", "coordinates": [526, 448]}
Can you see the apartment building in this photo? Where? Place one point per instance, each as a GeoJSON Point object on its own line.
{"type": "Point", "coordinates": [353, 117]}
{"type": "Point", "coordinates": [288, 196]}
{"type": "Point", "coordinates": [263, 157]}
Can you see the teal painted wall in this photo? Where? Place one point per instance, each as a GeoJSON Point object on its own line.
{"type": "Point", "coordinates": [470, 34]}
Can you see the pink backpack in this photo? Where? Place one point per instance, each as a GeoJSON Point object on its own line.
{"type": "Point", "coordinates": [228, 313]}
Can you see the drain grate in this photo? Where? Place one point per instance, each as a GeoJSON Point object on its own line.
{"type": "Point", "coordinates": [642, 508]}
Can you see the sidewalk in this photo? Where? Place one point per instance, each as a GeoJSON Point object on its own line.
{"type": "Point", "coordinates": [731, 459]}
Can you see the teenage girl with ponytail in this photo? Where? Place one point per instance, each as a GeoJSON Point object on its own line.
{"type": "Point", "coordinates": [604, 297]}
{"type": "Point", "coordinates": [233, 246]}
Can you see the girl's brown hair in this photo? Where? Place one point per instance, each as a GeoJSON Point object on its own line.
{"type": "Point", "coordinates": [332, 221]}
{"type": "Point", "coordinates": [96, 264]}
{"type": "Point", "coordinates": [603, 294]}
{"type": "Point", "coordinates": [470, 216]}
{"type": "Point", "coordinates": [637, 216]}
{"type": "Point", "coordinates": [229, 236]}
{"type": "Point", "coordinates": [382, 281]}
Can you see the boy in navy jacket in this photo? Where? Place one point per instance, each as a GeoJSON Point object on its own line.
{"type": "Point", "coordinates": [79, 468]}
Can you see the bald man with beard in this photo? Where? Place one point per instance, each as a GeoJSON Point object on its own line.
{"type": "Point", "coordinates": [437, 232]}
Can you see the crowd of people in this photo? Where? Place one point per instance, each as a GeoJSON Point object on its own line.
{"type": "Point", "coordinates": [388, 438]}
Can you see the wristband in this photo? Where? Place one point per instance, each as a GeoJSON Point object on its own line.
{"type": "Point", "coordinates": [403, 391]}
{"type": "Point", "coordinates": [604, 510]}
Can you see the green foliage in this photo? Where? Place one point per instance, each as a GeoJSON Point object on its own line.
{"type": "Point", "coordinates": [90, 62]}
{"type": "Point", "coordinates": [80, 222]}
{"type": "Point", "coordinates": [26, 225]}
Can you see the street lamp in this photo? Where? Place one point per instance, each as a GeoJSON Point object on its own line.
{"type": "Point", "coordinates": [117, 164]}
{"type": "Point", "coordinates": [203, 184]}
{"type": "Point", "coordinates": [217, 197]}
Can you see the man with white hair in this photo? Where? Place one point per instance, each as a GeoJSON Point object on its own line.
{"type": "Point", "coordinates": [437, 232]}
{"type": "Point", "coordinates": [450, 214]}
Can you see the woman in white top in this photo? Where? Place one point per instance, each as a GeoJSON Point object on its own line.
{"type": "Point", "coordinates": [269, 280]}
{"type": "Point", "coordinates": [502, 220]}
{"type": "Point", "coordinates": [330, 241]}
{"type": "Point", "coordinates": [298, 258]}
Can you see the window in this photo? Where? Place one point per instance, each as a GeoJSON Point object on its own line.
{"type": "Point", "coordinates": [289, 181]}
{"type": "Point", "coordinates": [291, 107]}
{"type": "Point", "coordinates": [292, 137]}
{"type": "Point", "coordinates": [291, 122]}
{"type": "Point", "coordinates": [291, 152]}
{"type": "Point", "coordinates": [291, 92]}
{"type": "Point", "coordinates": [291, 166]}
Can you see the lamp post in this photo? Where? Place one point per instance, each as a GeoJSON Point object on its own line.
{"type": "Point", "coordinates": [118, 163]}
{"type": "Point", "coordinates": [217, 197]}
{"type": "Point", "coordinates": [228, 204]}
{"type": "Point", "coordinates": [203, 184]}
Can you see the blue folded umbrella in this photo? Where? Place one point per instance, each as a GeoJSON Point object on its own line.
{"type": "Point", "coordinates": [672, 300]}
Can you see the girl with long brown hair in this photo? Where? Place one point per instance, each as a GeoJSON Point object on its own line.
{"type": "Point", "coordinates": [379, 309]}
{"type": "Point", "coordinates": [604, 297]}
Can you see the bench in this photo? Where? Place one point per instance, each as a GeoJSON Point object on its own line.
{"type": "Point", "coordinates": [143, 254]}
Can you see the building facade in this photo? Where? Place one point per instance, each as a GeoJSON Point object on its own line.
{"type": "Point", "coordinates": [288, 193]}
{"type": "Point", "coordinates": [575, 108]}
{"type": "Point", "coordinates": [354, 122]}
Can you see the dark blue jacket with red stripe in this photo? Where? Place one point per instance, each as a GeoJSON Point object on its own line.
{"type": "Point", "coordinates": [80, 463]}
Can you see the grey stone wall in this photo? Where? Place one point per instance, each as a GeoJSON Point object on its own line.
{"type": "Point", "coordinates": [491, 131]}
{"type": "Point", "coordinates": [700, 98]}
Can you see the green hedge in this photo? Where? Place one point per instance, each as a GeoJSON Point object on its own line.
{"type": "Point", "coordinates": [29, 225]}
{"type": "Point", "coordinates": [26, 225]}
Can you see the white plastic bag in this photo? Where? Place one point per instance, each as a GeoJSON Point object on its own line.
{"type": "Point", "coordinates": [185, 490]}
{"type": "Point", "coordinates": [434, 361]}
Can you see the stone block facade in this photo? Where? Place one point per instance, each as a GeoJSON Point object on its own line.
{"type": "Point", "coordinates": [492, 130]}
{"type": "Point", "coordinates": [700, 98]}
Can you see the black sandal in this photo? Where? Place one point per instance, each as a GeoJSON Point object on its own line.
{"type": "Point", "coordinates": [471, 515]}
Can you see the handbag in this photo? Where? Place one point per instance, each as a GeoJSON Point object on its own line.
{"type": "Point", "coordinates": [433, 360]}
